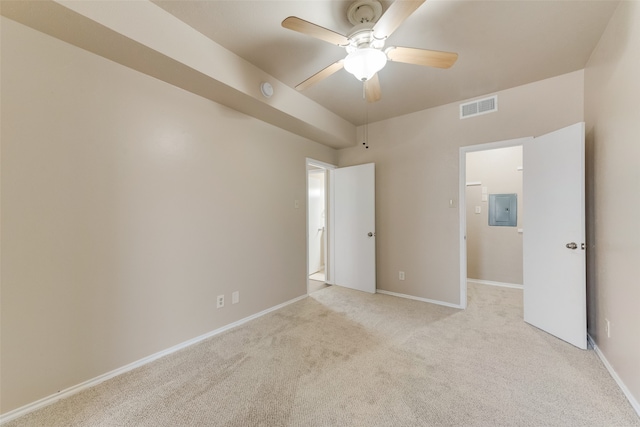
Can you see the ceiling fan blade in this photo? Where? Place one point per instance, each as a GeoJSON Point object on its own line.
{"type": "Point", "coordinates": [320, 75]}
{"type": "Point", "coordinates": [394, 16]}
{"type": "Point", "coordinates": [429, 58]}
{"type": "Point", "coordinates": [305, 27]}
{"type": "Point", "coordinates": [372, 89]}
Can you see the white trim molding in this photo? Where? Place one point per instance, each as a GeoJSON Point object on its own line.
{"type": "Point", "coordinates": [632, 400]}
{"type": "Point", "coordinates": [430, 301]}
{"type": "Point", "coordinates": [318, 164]}
{"type": "Point", "coordinates": [492, 283]}
{"type": "Point", "coordinates": [46, 401]}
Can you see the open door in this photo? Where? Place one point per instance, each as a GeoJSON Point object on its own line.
{"type": "Point", "coordinates": [554, 264]}
{"type": "Point", "coordinates": [353, 227]}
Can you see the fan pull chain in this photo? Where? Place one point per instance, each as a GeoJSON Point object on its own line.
{"type": "Point", "coordinates": [365, 141]}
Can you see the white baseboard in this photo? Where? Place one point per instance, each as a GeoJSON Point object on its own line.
{"type": "Point", "coordinates": [23, 410]}
{"type": "Point", "coordinates": [431, 301]}
{"type": "Point", "coordinates": [492, 283]}
{"type": "Point", "coordinates": [632, 400]}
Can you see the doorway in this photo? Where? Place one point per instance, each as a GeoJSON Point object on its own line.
{"type": "Point", "coordinates": [494, 248]}
{"type": "Point", "coordinates": [317, 225]}
{"type": "Point", "coordinates": [485, 250]}
{"type": "Point", "coordinates": [317, 214]}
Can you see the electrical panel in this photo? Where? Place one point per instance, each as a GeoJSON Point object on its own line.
{"type": "Point", "coordinates": [503, 210]}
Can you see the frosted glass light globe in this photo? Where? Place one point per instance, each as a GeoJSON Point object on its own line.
{"type": "Point", "coordinates": [365, 63]}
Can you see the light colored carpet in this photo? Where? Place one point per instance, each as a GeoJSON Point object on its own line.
{"type": "Point", "coordinates": [315, 285]}
{"type": "Point", "coordinates": [347, 358]}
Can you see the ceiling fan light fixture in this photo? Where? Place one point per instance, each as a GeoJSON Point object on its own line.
{"type": "Point", "coordinates": [364, 63]}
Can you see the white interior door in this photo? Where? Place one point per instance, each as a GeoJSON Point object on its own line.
{"type": "Point", "coordinates": [554, 264]}
{"type": "Point", "coordinates": [353, 230]}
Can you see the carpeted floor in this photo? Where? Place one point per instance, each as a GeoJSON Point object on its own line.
{"type": "Point", "coordinates": [315, 285]}
{"type": "Point", "coordinates": [347, 358]}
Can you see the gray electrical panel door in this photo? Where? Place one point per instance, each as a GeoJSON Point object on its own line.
{"type": "Point", "coordinates": [503, 209]}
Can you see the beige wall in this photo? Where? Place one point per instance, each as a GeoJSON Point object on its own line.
{"type": "Point", "coordinates": [417, 171]}
{"type": "Point", "coordinates": [612, 92]}
{"type": "Point", "coordinates": [493, 253]}
{"type": "Point", "coordinates": [128, 205]}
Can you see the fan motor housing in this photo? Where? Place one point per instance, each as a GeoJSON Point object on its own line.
{"type": "Point", "coordinates": [362, 36]}
{"type": "Point", "coordinates": [364, 11]}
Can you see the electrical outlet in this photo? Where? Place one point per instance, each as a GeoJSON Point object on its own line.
{"type": "Point", "coordinates": [220, 301]}
{"type": "Point", "coordinates": [607, 327]}
{"type": "Point", "coordinates": [401, 275]}
{"type": "Point", "coordinates": [235, 297]}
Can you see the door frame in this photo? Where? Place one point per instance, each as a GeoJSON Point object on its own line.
{"type": "Point", "coordinates": [328, 255]}
{"type": "Point", "coordinates": [462, 205]}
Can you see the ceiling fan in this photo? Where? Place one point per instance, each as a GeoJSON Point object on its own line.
{"type": "Point", "coordinates": [366, 54]}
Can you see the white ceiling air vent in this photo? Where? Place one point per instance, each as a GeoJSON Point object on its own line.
{"type": "Point", "coordinates": [481, 106]}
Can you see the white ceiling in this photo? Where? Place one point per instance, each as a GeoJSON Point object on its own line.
{"type": "Point", "coordinates": [501, 44]}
